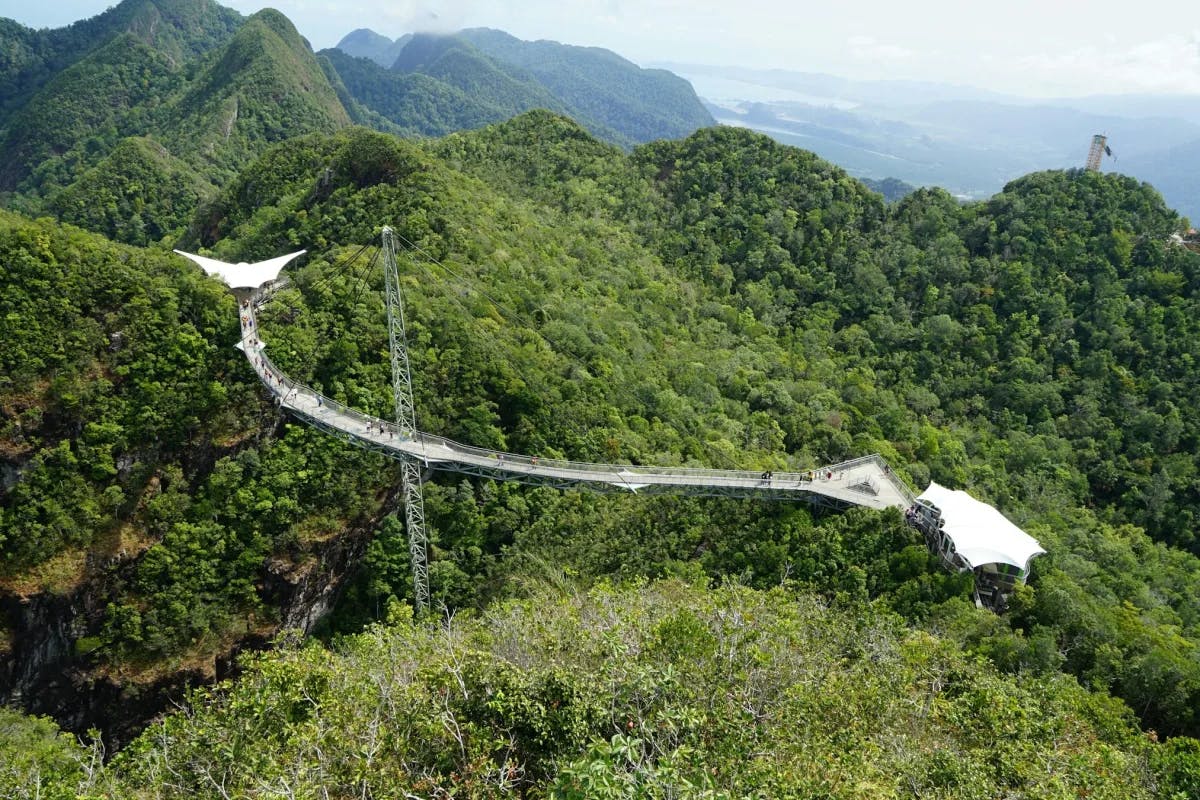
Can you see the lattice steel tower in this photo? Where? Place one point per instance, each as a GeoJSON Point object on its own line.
{"type": "Point", "coordinates": [406, 419]}
{"type": "Point", "coordinates": [1098, 150]}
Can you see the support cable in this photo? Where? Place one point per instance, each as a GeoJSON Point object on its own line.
{"type": "Point", "coordinates": [342, 266]}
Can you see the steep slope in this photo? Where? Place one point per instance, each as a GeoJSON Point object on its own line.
{"type": "Point", "coordinates": [495, 76]}
{"type": "Point", "coordinates": [460, 65]}
{"type": "Point", "coordinates": [602, 87]}
{"type": "Point", "coordinates": [179, 29]}
{"type": "Point", "coordinates": [464, 91]}
{"type": "Point", "coordinates": [206, 117]}
{"type": "Point", "coordinates": [97, 94]}
{"type": "Point", "coordinates": [415, 103]}
{"type": "Point", "coordinates": [264, 87]}
{"type": "Point", "coordinates": [138, 194]}
{"type": "Point", "coordinates": [142, 486]}
{"type": "Point", "coordinates": [717, 301]}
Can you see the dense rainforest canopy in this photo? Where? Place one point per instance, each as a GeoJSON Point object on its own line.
{"type": "Point", "coordinates": [719, 300]}
{"type": "Point", "coordinates": [660, 690]}
{"type": "Point", "coordinates": [716, 300]}
{"type": "Point", "coordinates": [123, 122]}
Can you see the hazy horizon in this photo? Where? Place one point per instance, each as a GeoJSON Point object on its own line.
{"type": "Point", "coordinates": [1029, 49]}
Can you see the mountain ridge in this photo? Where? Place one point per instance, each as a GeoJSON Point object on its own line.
{"type": "Point", "coordinates": [613, 97]}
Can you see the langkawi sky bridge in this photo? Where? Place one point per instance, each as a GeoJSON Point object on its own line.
{"type": "Point", "coordinates": [867, 481]}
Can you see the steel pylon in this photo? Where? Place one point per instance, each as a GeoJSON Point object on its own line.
{"type": "Point", "coordinates": [406, 419]}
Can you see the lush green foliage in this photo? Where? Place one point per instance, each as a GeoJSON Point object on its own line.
{"type": "Point", "coordinates": [435, 85]}
{"type": "Point", "coordinates": [720, 301]}
{"type": "Point", "coordinates": [436, 104]}
{"type": "Point", "coordinates": [265, 86]}
{"type": "Point", "coordinates": [132, 428]}
{"type": "Point", "coordinates": [636, 691]}
{"type": "Point", "coordinates": [124, 123]}
{"type": "Point", "coordinates": [85, 104]}
{"type": "Point", "coordinates": [601, 87]}
{"type": "Point", "coordinates": [139, 194]}
{"type": "Point", "coordinates": [181, 29]}
{"type": "Point", "coordinates": [38, 762]}
{"type": "Point", "coordinates": [129, 137]}
{"type": "Point", "coordinates": [724, 299]}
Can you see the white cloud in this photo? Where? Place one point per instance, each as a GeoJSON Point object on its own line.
{"type": "Point", "coordinates": [869, 49]}
{"type": "Point", "coordinates": [1168, 64]}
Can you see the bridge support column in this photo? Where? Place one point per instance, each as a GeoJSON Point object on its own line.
{"type": "Point", "coordinates": [406, 419]}
{"type": "Point", "coordinates": [414, 518]}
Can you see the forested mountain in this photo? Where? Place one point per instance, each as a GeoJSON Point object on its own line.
{"type": "Point", "coordinates": [65, 86]}
{"type": "Point", "coordinates": [720, 300]}
{"type": "Point", "coordinates": [488, 75]}
{"type": "Point", "coordinates": [441, 84]}
{"type": "Point", "coordinates": [643, 104]}
{"type": "Point", "coordinates": [125, 122]}
{"type": "Point", "coordinates": [966, 140]}
{"type": "Point", "coordinates": [891, 188]}
{"type": "Point", "coordinates": [130, 136]}
{"type": "Point", "coordinates": [665, 690]}
{"type": "Point", "coordinates": [366, 43]}
{"type": "Point", "coordinates": [180, 29]}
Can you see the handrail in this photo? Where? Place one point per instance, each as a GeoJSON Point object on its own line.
{"type": "Point", "coordinates": [434, 448]}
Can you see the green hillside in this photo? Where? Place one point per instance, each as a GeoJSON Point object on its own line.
{"type": "Point", "coordinates": [602, 87]}
{"type": "Point", "coordinates": [366, 43]}
{"type": "Point", "coordinates": [716, 301]}
{"type": "Point", "coordinates": [709, 299]}
{"type": "Point", "coordinates": [265, 86]}
{"type": "Point", "coordinates": [95, 96]}
{"type": "Point", "coordinates": [413, 102]}
{"type": "Point", "coordinates": [891, 188]}
{"type": "Point", "coordinates": [450, 87]}
{"type": "Point", "coordinates": [482, 76]}
{"type": "Point", "coordinates": [181, 94]}
{"type": "Point", "coordinates": [130, 137]}
{"type": "Point", "coordinates": [181, 29]}
{"type": "Point", "coordinates": [139, 193]}
{"type": "Point", "coordinates": [664, 690]}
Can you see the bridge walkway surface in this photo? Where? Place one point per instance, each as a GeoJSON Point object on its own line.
{"type": "Point", "coordinates": [866, 481]}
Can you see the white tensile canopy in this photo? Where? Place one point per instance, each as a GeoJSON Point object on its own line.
{"type": "Point", "coordinates": [243, 275]}
{"type": "Point", "coordinates": [981, 534]}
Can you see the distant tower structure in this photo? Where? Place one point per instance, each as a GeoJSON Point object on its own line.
{"type": "Point", "coordinates": [1098, 150]}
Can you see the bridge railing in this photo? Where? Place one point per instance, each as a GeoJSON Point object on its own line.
{"type": "Point", "coordinates": [287, 389]}
{"type": "Point", "coordinates": [895, 480]}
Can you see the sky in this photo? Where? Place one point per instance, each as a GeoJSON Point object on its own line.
{"type": "Point", "coordinates": [1036, 48]}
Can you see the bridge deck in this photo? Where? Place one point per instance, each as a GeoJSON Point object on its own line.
{"type": "Point", "coordinates": [864, 481]}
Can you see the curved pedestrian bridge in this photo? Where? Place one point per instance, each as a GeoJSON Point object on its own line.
{"type": "Point", "coordinates": [867, 481]}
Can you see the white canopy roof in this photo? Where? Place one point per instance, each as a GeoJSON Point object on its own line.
{"type": "Point", "coordinates": [981, 534]}
{"type": "Point", "coordinates": [243, 275]}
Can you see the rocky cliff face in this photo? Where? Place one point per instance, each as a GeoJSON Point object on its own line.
{"type": "Point", "coordinates": [46, 668]}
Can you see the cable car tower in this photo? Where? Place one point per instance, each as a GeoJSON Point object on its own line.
{"type": "Point", "coordinates": [1098, 150]}
{"type": "Point", "coordinates": [406, 421]}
